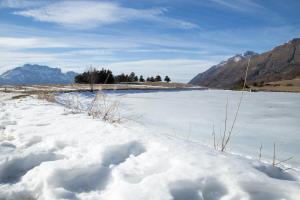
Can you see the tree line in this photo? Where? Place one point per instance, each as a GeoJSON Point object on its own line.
{"type": "Point", "coordinates": [105, 76]}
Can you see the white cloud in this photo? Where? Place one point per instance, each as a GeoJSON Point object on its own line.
{"type": "Point", "coordinates": [20, 3]}
{"type": "Point", "coordinates": [29, 42]}
{"type": "Point", "coordinates": [240, 5]}
{"type": "Point", "coordinates": [75, 41]}
{"type": "Point", "coordinates": [11, 59]}
{"type": "Point", "coordinates": [90, 14]}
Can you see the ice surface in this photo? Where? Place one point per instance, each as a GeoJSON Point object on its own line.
{"type": "Point", "coordinates": [264, 118]}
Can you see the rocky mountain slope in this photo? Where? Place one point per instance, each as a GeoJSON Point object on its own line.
{"type": "Point", "coordinates": [281, 63]}
{"type": "Point", "coordinates": [36, 74]}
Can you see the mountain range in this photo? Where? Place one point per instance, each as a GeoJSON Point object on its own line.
{"type": "Point", "coordinates": [281, 63]}
{"type": "Point", "coordinates": [36, 74]}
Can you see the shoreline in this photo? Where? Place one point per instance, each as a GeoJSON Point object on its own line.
{"type": "Point", "coordinates": [32, 89]}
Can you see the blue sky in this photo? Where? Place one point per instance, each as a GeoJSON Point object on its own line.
{"type": "Point", "coordinates": [179, 38]}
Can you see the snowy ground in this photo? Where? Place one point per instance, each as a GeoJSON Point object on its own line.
{"type": "Point", "coordinates": [47, 152]}
{"type": "Point", "coordinates": [264, 117]}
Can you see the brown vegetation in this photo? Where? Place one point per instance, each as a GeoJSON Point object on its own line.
{"type": "Point", "coordinates": [280, 86]}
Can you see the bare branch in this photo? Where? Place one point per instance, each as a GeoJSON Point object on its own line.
{"type": "Point", "coordinates": [274, 154]}
{"type": "Point", "coordinates": [283, 161]}
{"type": "Point", "coordinates": [225, 124]}
{"type": "Point", "coordinates": [214, 136]}
{"type": "Point", "coordinates": [260, 148]}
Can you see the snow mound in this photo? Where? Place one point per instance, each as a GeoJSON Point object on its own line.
{"type": "Point", "coordinates": [275, 172]}
{"type": "Point", "coordinates": [11, 170]}
{"type": "Point", "coordinates": [118, 154]}
{"type": "Point", "coordinates": [207, 188]}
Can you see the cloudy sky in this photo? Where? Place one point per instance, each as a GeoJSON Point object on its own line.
{"type": "Point", "coordinates": [179, 38]}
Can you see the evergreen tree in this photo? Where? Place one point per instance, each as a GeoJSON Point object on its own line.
{"type": "Point", "coordinates": [131, 77]}
{"type": "Point", "coordinates": [158, 78]}
{"type": "Point", "coordinates": [105, 76]}
{"type": "Point", "coordinates": [94, 76]}
{"type": "Point", "coordinates": [141, 79]}
{"type": "Point", "coordinates": [121, 78]}
{"type": "Point", "coordinates": [167, 79]}
{"type": "Point", "coordinates": [81, 78]}
{"type": "Point", "coordinates": [152, 79]}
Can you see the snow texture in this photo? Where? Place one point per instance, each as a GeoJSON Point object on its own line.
{"type": "Point", "coordinates": [47, 152]}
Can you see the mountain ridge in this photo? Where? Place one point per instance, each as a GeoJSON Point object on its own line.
{"type": "Point", "coordinates": [280, 63]}
{"type": "Point", "coordinates": [36, 74]}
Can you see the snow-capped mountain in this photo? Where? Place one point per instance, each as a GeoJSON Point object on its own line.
{"type": "Point", "coordinates": [238, 57]}
{"type": "Point", "coordinates": [230, 61]}
{"type": "Point", "coordinates": [36, 74]}
{"type": "Point", "coordinates": [281, 63]}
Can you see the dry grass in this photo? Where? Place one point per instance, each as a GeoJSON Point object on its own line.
{"type": "Point", "coordinates": [20, 96]}
{"type": "Point", "coordinates": [47, 96]}
{"type": "Point", "coordinates": [280, 86]}
{"type": "Point", "coordinates": [165, 84]}
{"type": "Point", "coordinates": [103, 109]}
{"type": "Point", "coordinates": [99, 108]}
{"type": "Point", "coordinates": [73, 103]}
{"type": "Point", "coordinates": [275, 162]}
{"type": "Point", "coordinates": [97, 87]}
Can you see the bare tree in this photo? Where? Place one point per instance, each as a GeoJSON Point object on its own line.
{"type": "Point", "coordinates": [92, 77]}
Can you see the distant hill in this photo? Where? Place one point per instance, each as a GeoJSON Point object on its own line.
{"type": "Point", "coordinates": [281, 63]}
{"type": "Point", "coordinates": [36, 74]}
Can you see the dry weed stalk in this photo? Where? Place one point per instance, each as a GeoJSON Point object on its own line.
{"type": "Point", "coordinates": [225, 124]}
{"type": "Point", "coordinates": [102, 108]}
{"type": "Point", "coordinates": [275, 161]}
{"type": "Point", "coordinates": [74, 104]}
{"type": "Point", "coordinates": [227, 136]}
{"type": "Point", "coordinates": [279, 162]}
{"type": "Point", "coordinates": [92, 77]}
{"type": "Point", "coordinates": [260, 148]}
{"type": "Point", "coordinates": [214, 136]}
{"type": "Point", "coordinates": [274, 154]}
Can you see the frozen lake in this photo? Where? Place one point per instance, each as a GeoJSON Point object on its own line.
{"type": "Point", "coordinates": [264, 118]}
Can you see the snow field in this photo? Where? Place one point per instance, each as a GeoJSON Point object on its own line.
{"type": "Point", "coordinates": [49, 153]}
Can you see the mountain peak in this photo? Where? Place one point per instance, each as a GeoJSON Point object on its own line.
{"type": "Point", "coordinates": [34, 66]}
{"type": "Point", "coordinates": [246, 54]}
{"type": "Point", "coordinates": [294, 40]}
{"type": "Point", "coordinates": [237, 58]}
{"type": "Point", "coordinates": [249, 53]}
{"type": "Point", "coordinates": [37, 67]}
